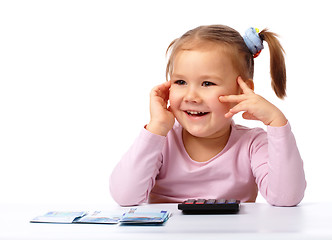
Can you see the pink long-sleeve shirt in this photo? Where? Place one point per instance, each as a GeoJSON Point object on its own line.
{"type": "Point", "coordinates": [158, 169]}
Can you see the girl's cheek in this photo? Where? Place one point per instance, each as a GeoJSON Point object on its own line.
{"type": "Point", "coordinates": [217, 106]}
{"type": "Point", "coordinates": [221, 107]}
{"type": "Point", "coordinates": [236, 90]}
{"type": "Point", "coordinates": [173, 99]}
{"type": "Point", "coordinates": [225, 107]}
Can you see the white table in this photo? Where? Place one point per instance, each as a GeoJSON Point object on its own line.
{"type": "Point", "coordinates": [254, 221]}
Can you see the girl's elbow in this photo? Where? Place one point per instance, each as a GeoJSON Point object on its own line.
{"type": "Point", "coordinates": [284, 203]}
{"type": "Point", "coordinates": [124, 201]}
{"type": "Point", "coordinates": [286, 200]}
{"type": "Point", "coordinates": [289, 196]}
{"type": "Point", "coordinates": [125, 197]}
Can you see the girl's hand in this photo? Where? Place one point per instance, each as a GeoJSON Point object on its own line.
{"type": "Point", "coordinates": [254, 106]}
{"type": "Point", "coordinates": [161, 117]}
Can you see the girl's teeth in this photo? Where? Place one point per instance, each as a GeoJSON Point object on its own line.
{"type": "Point", "coordinates": [196, 113]}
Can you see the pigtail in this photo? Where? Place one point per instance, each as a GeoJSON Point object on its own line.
{"type": "Point", "coordinates": [277, 62]}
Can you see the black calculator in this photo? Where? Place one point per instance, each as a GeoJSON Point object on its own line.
{"type": "Point", "coordinates": [210, 206]}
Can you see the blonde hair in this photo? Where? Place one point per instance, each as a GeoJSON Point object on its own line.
{"type": "Point", "coordinates": [235, 46]}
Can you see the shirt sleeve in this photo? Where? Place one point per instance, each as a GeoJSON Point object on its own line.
{"type": "Point", "coordinates": [278, 166]}
{"type": "Point", "coordinates": [134, 176]}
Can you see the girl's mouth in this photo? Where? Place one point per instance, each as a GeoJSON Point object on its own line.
{"type": "Point", "coordinates": [196, 114]}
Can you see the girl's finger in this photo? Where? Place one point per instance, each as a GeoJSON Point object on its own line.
{"type": "Point", "coordinates": [240, 107]}
{"type": "Point", "coordinates": [232, 98]}
{"type": "Point", "coordinates": [245, 88]}
{"type": "Point", "coordinates": [162, 90]}
{"type": "Point", "coordinates": [249, 116]}
{"type": "Point", "coordinates": [167, 84]}
{"type": "Point", "coordinates": [236, 109]}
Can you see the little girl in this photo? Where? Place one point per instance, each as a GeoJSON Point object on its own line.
{"type": "Point", "coordinates": [192, 148]}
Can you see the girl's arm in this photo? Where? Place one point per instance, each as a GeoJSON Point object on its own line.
{"type": "Point", "coordinates": [278, 167]}
{"type": "Point", "coordinates": [275, 159]}
{"type": "Point", "coordinates": [134, 176]}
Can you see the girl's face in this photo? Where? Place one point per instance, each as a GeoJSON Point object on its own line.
{"type": "Point", "coordinates": [199, 77]}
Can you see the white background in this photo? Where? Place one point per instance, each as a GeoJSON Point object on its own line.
{"type": "Point", "coordinates": [75, 78]}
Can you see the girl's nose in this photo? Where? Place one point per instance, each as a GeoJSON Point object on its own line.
{"type": "Point", "coordinates": [192, 96]}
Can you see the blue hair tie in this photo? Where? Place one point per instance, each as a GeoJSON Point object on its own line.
{"type": "Point", "coordinates": [253, 41]}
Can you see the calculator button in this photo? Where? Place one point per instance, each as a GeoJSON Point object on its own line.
{"type": "Point", "coordinates": [232, 201]}
{"type": "Point", "coordinates": [189, 201]}
{"type": "Point", "coordinates": [210, 201]}
{"type": "Point", "coordinates": [220, 201]}
{"type": "Point", "coordinates": [200, 201]}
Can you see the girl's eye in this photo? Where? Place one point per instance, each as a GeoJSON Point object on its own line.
{"type": "Point", "coordinates": [180, 82]}
{"type": "Point", "coordinates": [207, 84]}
